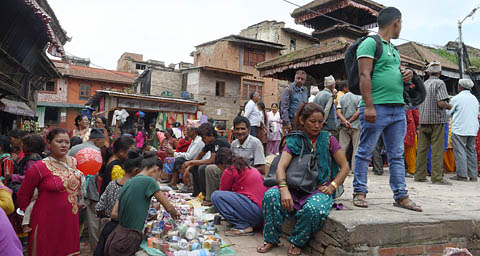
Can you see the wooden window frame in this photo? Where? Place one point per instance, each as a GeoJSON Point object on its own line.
{"type": "Point", "coordinates": [81, 95]}
{"type": "Point", "coordinates": [248, 87]}
{"type": "Point", "coordinates": [220, 90]}
{"type": "Point", "coordinates": [252, 57]}
{"type": "Point", "coordinates": [54, 88]}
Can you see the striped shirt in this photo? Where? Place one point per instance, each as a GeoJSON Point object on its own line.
{"type": "Point", "coordinates": [429, 111]}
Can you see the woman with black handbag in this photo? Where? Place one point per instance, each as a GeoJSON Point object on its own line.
{"type": "Point", "coordinates": [293, 197]}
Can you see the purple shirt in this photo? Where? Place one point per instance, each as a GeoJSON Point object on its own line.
{"type": "Point", "coordinates": [299, 197]}
{"type": "Point", "coordinates": [9, 243]}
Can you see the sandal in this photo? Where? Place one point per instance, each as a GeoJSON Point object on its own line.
{"type": "Point", "coordinates": [293, 247]}
{"type": "Point", "coordinates": [362, 203]}
{"type": "Point", "coordinates": [263, 248]}
{"type": "Point", "coordinates": [410, 206]}
{"type": "Point", "coordinates": [238, 232]}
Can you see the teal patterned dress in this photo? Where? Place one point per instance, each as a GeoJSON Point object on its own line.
{"type": "Point", "coordinates": [310, 210]}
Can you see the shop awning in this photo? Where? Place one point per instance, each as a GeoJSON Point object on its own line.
{"type": "Point", "coordinates": [16, 108]}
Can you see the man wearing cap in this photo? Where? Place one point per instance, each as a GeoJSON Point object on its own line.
{"type": "Point", "coordinates": [326, 99]}
{"type": "Point", "coordinates": [95, 141]}
{"type": "Point", "coordinates": [432, 117]}
{"type": "Point", "coordinates": [464, 114]}
{"type": "Point", "coordinates": [313, 92]}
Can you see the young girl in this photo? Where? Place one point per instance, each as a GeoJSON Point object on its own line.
{"type": "Point", "coordinates": [107, 200]}
{"type": "Point", "coordinates": [131, 208]}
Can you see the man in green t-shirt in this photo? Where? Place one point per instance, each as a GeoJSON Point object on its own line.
{"type": "Point", "coordinates": [131, 208]}
{"type": "Point", "coordinates": [382, 111]}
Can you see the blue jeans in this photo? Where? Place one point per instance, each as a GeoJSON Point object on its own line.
{"type": "Point", "coordinates": [391, 124]}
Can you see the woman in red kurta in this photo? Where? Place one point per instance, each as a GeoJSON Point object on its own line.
{"type": "Point", "coordinates": [54, 218]}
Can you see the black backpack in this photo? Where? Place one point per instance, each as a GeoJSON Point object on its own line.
{"type": "Point", "coordinates": [351, 63]}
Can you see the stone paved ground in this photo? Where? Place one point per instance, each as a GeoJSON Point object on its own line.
{"type": "Point", "coordinates": [457, 202]}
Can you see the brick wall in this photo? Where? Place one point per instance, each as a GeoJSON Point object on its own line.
{"type": "Point", "coordinates": [230, 56]}
{"type": "Point", "coordinates": [220, 108]}
{"type": "Point", "coordinates": [74, 89]}
{"type": "Point", "coordinates": [163, 80]}
{"type": "Point", "coordinates": [427, 249]}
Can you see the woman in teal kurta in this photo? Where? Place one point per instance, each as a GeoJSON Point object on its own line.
{"type": "Point", "coordinates": [310, 210]}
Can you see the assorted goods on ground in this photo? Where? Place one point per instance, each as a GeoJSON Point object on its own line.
{"type": "Point", "coordinates": [193, 234]}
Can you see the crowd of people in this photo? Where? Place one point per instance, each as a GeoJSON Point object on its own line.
{"type": "Point", "coordinates": [43, 175]}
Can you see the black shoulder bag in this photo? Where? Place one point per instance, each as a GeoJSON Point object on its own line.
{"type": "Point", "coordinates": [302, 172]}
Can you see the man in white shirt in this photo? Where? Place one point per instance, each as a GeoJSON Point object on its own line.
{"type": "Point", "coordinates": [181, 157]}
{"type": "Point", "coordinates": [253, 114]}
{"type": "Point", "coordinates": [465, 126]}
{"type": "Point", "coordinates": [246, 146]}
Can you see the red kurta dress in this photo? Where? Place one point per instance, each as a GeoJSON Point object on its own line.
{"type": "Point", "coordinates": [54, 218]}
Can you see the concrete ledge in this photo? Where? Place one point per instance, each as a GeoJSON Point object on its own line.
{"type": "Point", "coordinates": [451, 217]}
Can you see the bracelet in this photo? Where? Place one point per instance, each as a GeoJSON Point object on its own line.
{"type": "Point", "coordinates": [282, 185]}
{"type": "Point", "coordinates": [334, 184]}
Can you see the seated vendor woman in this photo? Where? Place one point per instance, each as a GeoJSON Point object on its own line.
{"type": "Point", "coordinates": [131, 208]}
{"type": "Point", "coordinates": [309, 209]}
{"type": "Point", "coordinates": [239, 199]}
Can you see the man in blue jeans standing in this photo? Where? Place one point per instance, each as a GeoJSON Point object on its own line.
{"type": "Point", "coordinates": [382, 111]}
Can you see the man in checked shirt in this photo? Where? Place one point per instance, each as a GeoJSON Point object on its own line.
{"type": "Point", "coordinates": [433, 117]}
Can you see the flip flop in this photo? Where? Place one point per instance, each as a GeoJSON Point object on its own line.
{"type": "Point", "coordinates": [262, 250]}
{"type": "Point", "coordinates": [293, 247]}
{"type": "Point", "coordinates": [362, 203]}
{"type": "Point", "coordinates": [241, 233]}
{"type": "Point", "coordinates": [410, 206]}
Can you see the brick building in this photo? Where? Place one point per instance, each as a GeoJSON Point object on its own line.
{"type": "Point", "coordinates": [257, 43]}
{"type": "Point", "coordinates": [219, 88]}
{"type": "Point", "coordinates": [241, 54]}
{"type": "Point", "coordinates": [60, 100]}
{"type": "Point", "coordinates": [134, 63]}
{"type": "Point", "coordinates": [276, 32]}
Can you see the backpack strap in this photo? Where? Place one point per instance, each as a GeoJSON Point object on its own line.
{"type": "Point", "coordinates": [378, 49]}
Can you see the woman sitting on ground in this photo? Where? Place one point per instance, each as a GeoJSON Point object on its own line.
{"type": "Point", "coordinates": [105, 206]}
{"type": "Point", "coordinates": [170, 140]}
{"type": "Point", "coordinates": [310, 210]}
{"type": "Point", "coordinates": [113, 169]}
{"type": "Point", "coordinates": [239, 199]}
{"type": "Point", "coordinates": [131, 208]}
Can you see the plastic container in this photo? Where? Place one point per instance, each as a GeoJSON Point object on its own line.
{"type": "Point", "coordinates": [191, 233]}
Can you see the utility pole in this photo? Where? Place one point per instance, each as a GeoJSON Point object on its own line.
{"type": "Point", "coordinates": [460, 42]}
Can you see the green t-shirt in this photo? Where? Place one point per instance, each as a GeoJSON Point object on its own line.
{"type": "Point", "coordinates": [134, 201]}
{"type": "Point", "coordinates": [387, 84]}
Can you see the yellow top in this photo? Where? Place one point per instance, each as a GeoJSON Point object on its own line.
{"type": "Point", "coordinates": [117, 172]}
{"type": "Point", "coordinates": [339, 95]}
{"type": "Point", "coordinates": [6, 202]}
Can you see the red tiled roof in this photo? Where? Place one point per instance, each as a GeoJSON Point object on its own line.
{"type": "Point", "coordinates": [95, 74]}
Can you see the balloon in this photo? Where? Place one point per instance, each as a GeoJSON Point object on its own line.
{"type": "Point", "coordinates": [89, 161]}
